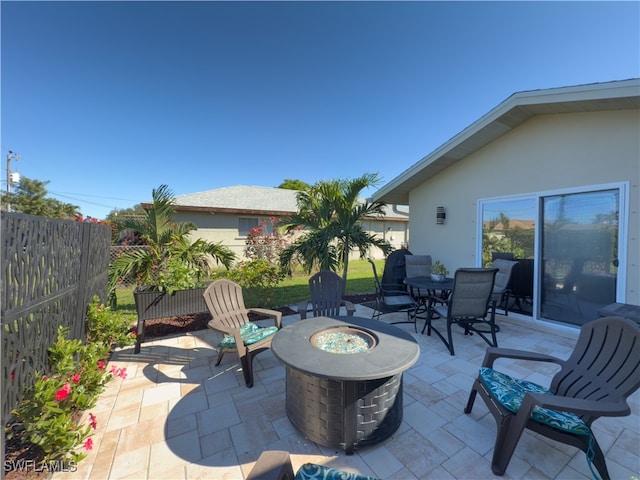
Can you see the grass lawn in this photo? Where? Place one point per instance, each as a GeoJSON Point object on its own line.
{"type": "Point", "coordinates": [291, 290]}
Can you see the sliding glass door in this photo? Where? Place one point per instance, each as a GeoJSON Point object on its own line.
{"type": "Point", "coordinates": [508, 231]}
{"type": "Point", "coordinates": [580, 252]}
{"type": "Point", "coordinates": [567, 246]}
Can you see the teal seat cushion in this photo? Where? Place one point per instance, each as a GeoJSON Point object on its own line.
{"type": "Point", "coordinates": [510, 393]}
{"type": "Point", "coordinates": [251, 333]}
{"type": "Point", "coordinates": [311, 471]}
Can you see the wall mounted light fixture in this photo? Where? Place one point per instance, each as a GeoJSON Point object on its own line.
{"type": "Point", "coordinates": [440, 215]}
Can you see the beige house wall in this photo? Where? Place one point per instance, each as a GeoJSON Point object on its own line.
{"type": "Point", "coordinates": [546, 153]}
{"type": "Point", "coordinates": [217, 228]}
{"type": "Point", "coordinates": [223, 227]}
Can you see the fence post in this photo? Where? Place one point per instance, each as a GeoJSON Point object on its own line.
{"type": "Point", "coordinates": [83, 285]}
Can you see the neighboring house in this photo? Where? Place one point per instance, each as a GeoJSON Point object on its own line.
{"type": "Point", "coordinates": [227, 214]}
{"type": "Point", "coordinates": [563, 166]}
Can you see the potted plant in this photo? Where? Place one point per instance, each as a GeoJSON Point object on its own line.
{"type": "Point", "coordinates": [438, 271]}
{"type": "Point", "coordinates": [171, 270]}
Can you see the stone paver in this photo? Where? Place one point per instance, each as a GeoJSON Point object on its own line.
{"type": "Point", "coordinates": [177, 416]}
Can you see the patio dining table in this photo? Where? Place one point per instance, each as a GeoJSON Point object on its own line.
{"type": "Point", "coordinates": [424, 288]}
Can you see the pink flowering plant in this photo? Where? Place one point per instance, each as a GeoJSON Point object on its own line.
{"type": "Point", "coordinates": [50, 412]}
{"type": "Point", "coordinates": [264, 245]}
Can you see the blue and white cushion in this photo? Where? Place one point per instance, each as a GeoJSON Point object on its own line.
{"type": "Point", "coordinates": [510, 393]}
{"type": "Point", "coordinates": [312, 471]}
{"type": "Point", "coordinates": [251, 333]}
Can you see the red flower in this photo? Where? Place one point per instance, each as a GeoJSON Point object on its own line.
{"type": "Point", "coordinates": [134, 333]}
{"type": "Point", "coordinates": [100, 365]}
{"type": "Point", "coordinates": [88, 445]}
{"type": "Point", "coordinates": [119, 372]}
{"type": "Point", "coordinates": [75, 378]}
{"type": "Point", "coordinates": [13, 375]}
{"type": "Point", "coordinates": [92, 421]}
{"type": "Point", "coordinates": [63, 392]}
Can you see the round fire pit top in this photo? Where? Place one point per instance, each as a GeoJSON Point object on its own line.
{"type": "Point", "coordinates": [345, 340]}
{"type": "Point", "coordinates": [392, 352]}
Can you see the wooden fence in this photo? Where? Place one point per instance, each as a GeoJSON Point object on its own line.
{"type": "Point", "coordinates": [51, 269]}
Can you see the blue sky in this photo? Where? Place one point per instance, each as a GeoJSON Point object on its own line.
{"type": "Point", "coordinates": [108, 100]}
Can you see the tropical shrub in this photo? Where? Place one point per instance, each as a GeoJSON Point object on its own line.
{"type": "Point", "coordinates": [258, 278]}
{"type": "Point", "coordinates": [49, 413]}
{"type": "Point", "coordinates": [171, 259]}
{"type": "Point", "coordinates": [329, 213]}
{"type": "Point", "coordinates": [106, 326]}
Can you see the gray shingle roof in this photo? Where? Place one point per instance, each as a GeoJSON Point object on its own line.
{"type": "Point", "coordinates": [242, 197]}
{"type": "Point", "coordinates": [254, 199]}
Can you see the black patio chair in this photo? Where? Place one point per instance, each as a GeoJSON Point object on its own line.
{"type": "Point", "coordinates": [391, 292]}
{"type": "Point", "coordinates": [327, 289]}
{"type": "Point", "coordinates": [469, 306]}
{"type": "Point", "coordinates": [595, 381]}
{"type": "Point", "coordinates": [502, 286]}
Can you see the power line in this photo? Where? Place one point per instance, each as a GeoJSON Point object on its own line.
{"type": "Point", "coordinates": [82, 200]}
{"type": "Point", "coordinates": [95, 196]}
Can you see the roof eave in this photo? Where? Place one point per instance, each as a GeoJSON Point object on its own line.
{"type": "Point", "coordinates": [511, 113]}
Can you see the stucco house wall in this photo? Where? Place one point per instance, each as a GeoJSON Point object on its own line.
{"type": "Point", "coordinates": [215, 227]}
{"type": "Point", "coordinates": [565, 140]}
{"type": "Point", "coordinates": [547, 153]}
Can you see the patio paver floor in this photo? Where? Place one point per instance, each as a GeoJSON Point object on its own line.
{"type": "Point", "coordinates": [177, 416]}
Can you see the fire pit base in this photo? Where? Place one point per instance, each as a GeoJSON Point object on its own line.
{"type": "Point", "coordinates": [345, 414]}
{"type": "Point", "coordinates": [341, 399]}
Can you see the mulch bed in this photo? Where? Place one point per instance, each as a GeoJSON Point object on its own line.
{"type": "Point", "coordinates": [17, 451]}
{"type": "Point", "coordinates": [163, 327]}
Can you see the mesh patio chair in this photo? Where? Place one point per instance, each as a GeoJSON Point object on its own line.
{"type": "Point", "coordinates": [469, 306]}
{"type": "Point", "coordinates": [595, 381]}
{"type": "Point", "coordinates": [327, 289]}
{"type": "Point", "coordinates": [502, 285]}
{"type": "Point", "coordinates": [230, 317]}
{"type": "Point", "coordinates": [393, 296]}
{"type": "Point", "coordinates": [418, 266]}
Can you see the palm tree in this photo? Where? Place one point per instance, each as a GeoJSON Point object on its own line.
{"type": "Point", "coordinates": [167, 246]}
{"type": "Point", "coordinates": [330, 212]}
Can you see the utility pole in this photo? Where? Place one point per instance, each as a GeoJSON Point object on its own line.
{"type": "Point", "coordinates": [16, 157]}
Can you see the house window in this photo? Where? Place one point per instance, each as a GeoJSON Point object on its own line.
{"type": "Point", "coordinates": [245, 224]}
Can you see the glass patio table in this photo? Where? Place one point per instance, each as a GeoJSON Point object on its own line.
{"type": "Point", "coordinates": [424, 288]}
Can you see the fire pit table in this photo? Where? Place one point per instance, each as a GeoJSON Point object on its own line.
{"type": "Point", "coordinates": [344, 378]}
